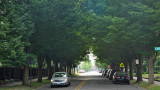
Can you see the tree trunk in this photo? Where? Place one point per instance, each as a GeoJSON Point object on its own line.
{"type": "Point", "coordinates": [139, 69]}
{"type": "Point", "coordinates": [50, 71]}
{"type": "Point", "coordinates": [126, 68]}
{"type": "Point", "coordinates": [40, 65]}
{"type": "Point", "coordinates": [56, 66]}
{"type": "Point", "coordinates": [150, 62]}
{"type": "Point", "coordinates": [25, 80]}
{"type": "Point", "coordinates": [67, 69]}
{"type": "Point", "coordinates": [25, 71]}
{"type": "Point", "coordinates": [70, 68]}
{"type": "Point", "coordinates": [131, 69]}
{"type": "Point", "coordinates": [74, 70]}
{"type": "Point", "coordinates": [61, 67]}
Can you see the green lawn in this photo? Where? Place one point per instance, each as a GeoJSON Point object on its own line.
{"type": "Point", "coordinates": [145, 85]}
{"type": "Point", "coordinates": [154, 88]}
{"type": "Point", "coordinates": [141, 84]}
{"type": "Point", "coordinates": [74, 75]}
{"type": "Point", "coordinates": [34, 86]}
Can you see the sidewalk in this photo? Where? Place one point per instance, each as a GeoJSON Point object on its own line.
{"type": "Point", "coordinates": [146, 80]}
{"type": "Point", "coordinates": [18, 83]}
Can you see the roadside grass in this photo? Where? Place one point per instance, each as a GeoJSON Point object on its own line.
{"type": "Point", "coordinates": [153, 87]}
{"type": "Point", "coordinates": [19, 87]}
{"type": "Point", "coordinates": [145, 85]}
{"type": "Point", "coordinates": [141, 84]}
{"type": "Point", "coordinates": [74, 75]}
{"type": "Point", "coordinates": [34, 86]}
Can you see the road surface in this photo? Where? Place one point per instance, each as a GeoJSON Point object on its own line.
{"type": "Point", "coordinates": [92, 81]}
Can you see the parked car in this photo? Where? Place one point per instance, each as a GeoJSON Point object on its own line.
{"type": "Point", "coordinates": [60, 79]}
{"type": "Point", "coordinates": [121, 77]}
{"type": "Point", "coordinates": [81, 71]}
{"type": "Point", "coordinates": [111, 74]}
{"type": "Point", "coordinates": [100, 71]}
{"type": "Point", "coordinates": [107, 74]}
{"type": "Point", "coordinates": [104, 72]}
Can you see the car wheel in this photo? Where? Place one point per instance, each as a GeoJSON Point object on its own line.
{"type": "Point", "coordinates": [113, 81]}
{"type": "Point", "coordinates": [51, 86]}
{"type": "Point", "coordinates": [68, 85]}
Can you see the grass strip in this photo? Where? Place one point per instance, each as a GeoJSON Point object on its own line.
{"type": "Point", "coordinates": [145, 85]}
{"type": "Point", "coordinates": [34, 86]}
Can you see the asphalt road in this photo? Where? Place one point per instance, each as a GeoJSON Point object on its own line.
{"type": "Point", "coordinates": [92, 81]}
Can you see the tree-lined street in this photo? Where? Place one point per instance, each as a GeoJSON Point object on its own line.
{"type": "Point", "coordinates": [94, 81]}
{"type": "Point", "coordinates": [41, 37]}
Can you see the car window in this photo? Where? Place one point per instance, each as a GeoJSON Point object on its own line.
{"type": "Point", "coordinates": [122, 74]}
{"type": "Point", "coordinates": [60, 75]}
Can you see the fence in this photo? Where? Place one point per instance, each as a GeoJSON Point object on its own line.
{"type": "Point", "coordinates": [17, 73]}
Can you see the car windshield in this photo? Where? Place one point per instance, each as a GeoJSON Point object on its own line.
{"type": "Point", "coordinates": [122, 74]}
{"type": "Point", "coordinates": [60, 75]}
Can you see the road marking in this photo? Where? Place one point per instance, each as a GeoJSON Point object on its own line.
{"type": "Point", "coordinates": [81, 84]}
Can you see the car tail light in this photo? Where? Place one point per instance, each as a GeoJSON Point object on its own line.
{"type": "Point", "coordinates": [128, 77]}
{"type": "Point", "coordinates": [117, 77]}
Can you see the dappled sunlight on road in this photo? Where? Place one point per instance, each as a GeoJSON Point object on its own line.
{"type": "Point", "coordinates": [90, 73]}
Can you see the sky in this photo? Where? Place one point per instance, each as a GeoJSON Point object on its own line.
{"type": "Point", "coordinates": [92, 57]}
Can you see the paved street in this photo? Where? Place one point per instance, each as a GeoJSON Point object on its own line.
{"type": "Point", "coordinates": [92, 81]}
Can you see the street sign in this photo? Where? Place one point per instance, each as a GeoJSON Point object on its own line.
{"type": "Point", "coordinates": [122, 65]}
{"type": "Point", "coordinates": [157, 48]}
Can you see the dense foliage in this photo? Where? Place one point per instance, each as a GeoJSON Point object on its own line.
{"type": "Point", "coordinates": [63, 31]}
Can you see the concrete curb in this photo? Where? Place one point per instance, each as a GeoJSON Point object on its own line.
{"type": "Point", "coordinates": [42, 86]}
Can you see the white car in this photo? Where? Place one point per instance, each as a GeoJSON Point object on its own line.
{"type": "Point", "coordinates": [81, 71]}
{"type": "Point", "coordinates": [60, 78]}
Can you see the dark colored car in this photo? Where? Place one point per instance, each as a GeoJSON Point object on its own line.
{"type": "Point", "coordinates": [111, 74]}
{"type": "Point", "coordinates": [121, 77]}
{"type": "Point", "coordinates": [105, 72]}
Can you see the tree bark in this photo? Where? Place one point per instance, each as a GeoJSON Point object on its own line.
{"type": "Point", "coordinates": [139, 69]}
{"type": "Point", "coordinates": [150, 62]}
{"type": "Point", "coordinates": [74, 70]}
{"type": "Point", "coordinates": [25, 80]}
{"type": "Point", "coordinates": [56, 66]}
{"type": "Point", "coordinates": [61, 67]}
{"type": "Point", "coordinates": [70, 68]}
{"type": "Point", "coordinates": [50, 71]}
{"type": "Point", "coordinates": [126, 67]}
{"type": "Point", "coordinates": [40, 65]}
{"type": "Point", "coordinates": [131, 69]}
{"type": "Point", "coordinates": [151, 72]}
